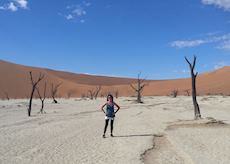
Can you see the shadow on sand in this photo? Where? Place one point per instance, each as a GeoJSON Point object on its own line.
{"type": "Point", "coordinates": [134, 135]}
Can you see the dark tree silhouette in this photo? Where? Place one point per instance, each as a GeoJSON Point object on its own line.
{"type": "Point", "coordinates": [93, 94]}
{"type": "Point", "coordinates": [116, 93]}
{"type": "Point", "coordinates": [175, 93]}
{"type": "Point", "coordinates": [97, 91]}
{"type": "Point", "coordinates": [139, 89]}
{"type": "Point", "coordinates": [194, 93]}
{"type": "Point", "coordinates": [34, 85]}
{"type": "Point", "coordinates": [54, 90]}
{"type": "Point", "coordinates": [42, 98]}
{"type": "Point", "coordinates": [6, 95]}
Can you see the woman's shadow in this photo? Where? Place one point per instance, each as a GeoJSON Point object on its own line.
{"type": "Point", "coordinates": [134, 135]}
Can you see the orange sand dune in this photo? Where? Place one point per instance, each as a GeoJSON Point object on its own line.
{"type": "Point", "coordinates": [15, 81]}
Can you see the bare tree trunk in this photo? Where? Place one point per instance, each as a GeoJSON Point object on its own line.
{"type": "Point", "coordinates": [98, 89]}
{"type": "Point", "coordinates": [54, 100]}
{"type": "Point", "coordinates": [54, 90]}
{"type": "Point", "coordinates": [42, 98]}
{"type": "Point", "coordinates": [193, 77]}
{"type": "Point", "coordinates": [91, 93]}
{"type": "Point", "coordinates": [7, 95]}
{"type": "Point", "coordinates": [175, 93]}
{"type": "Point", "coordinates": [116, 93]}
{"type": "Point", "coordinates": [30, 103]}
{"type": "Point", "coordinates": [139, 89]}
{"type": "Point", "coordinates": [42, 108]}
{"type": "Point", "coordinates": [94, 93]}
{"type": "Point", "coordinates": [187, 92]}
{"type": "Point", "coordinates": [34, 85]}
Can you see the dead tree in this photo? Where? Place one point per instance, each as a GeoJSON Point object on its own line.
{"type": "Point", "coordinates": [102, 95]}
{"type": "Point", "coordinates": [139, 89]}
{"type": "Point", "coordinates": [42, 98]}
{"type": "Point", "coordinates": [7, 95]}
{"type": "Point", "coordinates": [116, 93]}
{"type": "Point", "coordinates": [174, 93]}
{"type": "Point", "coordinates": [97, 91]}
{"type": "Point", "coordinates": [70, 93]}
{"type": "Point", "coordinates": [194, 93]}
{"type": "Point", "coordinates": [187, 92]}
{"type": "Point", "coordinates": [34, 85]}
{"type": "Point", "coordinates": [83, 96]}
{"type": "Point", "coordinates": [54, 90]}
{"type": "Point", "coordinates": [93, 94]}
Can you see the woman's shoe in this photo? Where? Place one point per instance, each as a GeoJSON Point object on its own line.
{"type": "Point", "coordinates": [111, 135]}
{"type": "Point", "coordinates": [103, 136]}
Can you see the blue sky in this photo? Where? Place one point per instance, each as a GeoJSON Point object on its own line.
{"type": "Point", "coordinates": [117, 38]}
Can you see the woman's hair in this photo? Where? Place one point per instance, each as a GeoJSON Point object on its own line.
{"type": "Point", "coordinates": [109, 95]}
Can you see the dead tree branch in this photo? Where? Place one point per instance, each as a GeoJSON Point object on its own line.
{"type": "Point", "coordinates": [54, 90]}
{"type": "Point", "coordinates": [194, 93]}
{"type": "Point", "coordinates": [6, 95]}
{"type": "Point", "coordinates": [187, 91]}
{"type": "Point", "coordinates": [98, 89]}
{"type": "Point", "coordinates": [174, 93]}
{"type": "Point", "coordinates": [139, 89]}
{"type": "Point", "coordinates": [34, 85]}
{"type": "Point", "coordinates": [93, 94]}
{"type": "Point", "coordinates": [42, 98]}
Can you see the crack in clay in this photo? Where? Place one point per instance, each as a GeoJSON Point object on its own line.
{"type": "Point", "coordinates": [162, 144]}
{"type": "Point", "coordinates": [142, 156]}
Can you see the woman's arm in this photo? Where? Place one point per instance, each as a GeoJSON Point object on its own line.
{"type": "Point", "coordinates": [118, 107]}
{"type": "Point", "coordinates": [102, 108]}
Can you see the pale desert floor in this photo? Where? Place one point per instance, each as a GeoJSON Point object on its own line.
{"type": "Point", "coordinates": [159, 131]}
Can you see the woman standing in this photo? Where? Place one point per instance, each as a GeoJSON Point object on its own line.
{"type": "Point", "coordinates": [109, 113]}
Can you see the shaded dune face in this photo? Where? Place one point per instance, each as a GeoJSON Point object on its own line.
{"type": "Point", "coordinates": [16, 83]}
